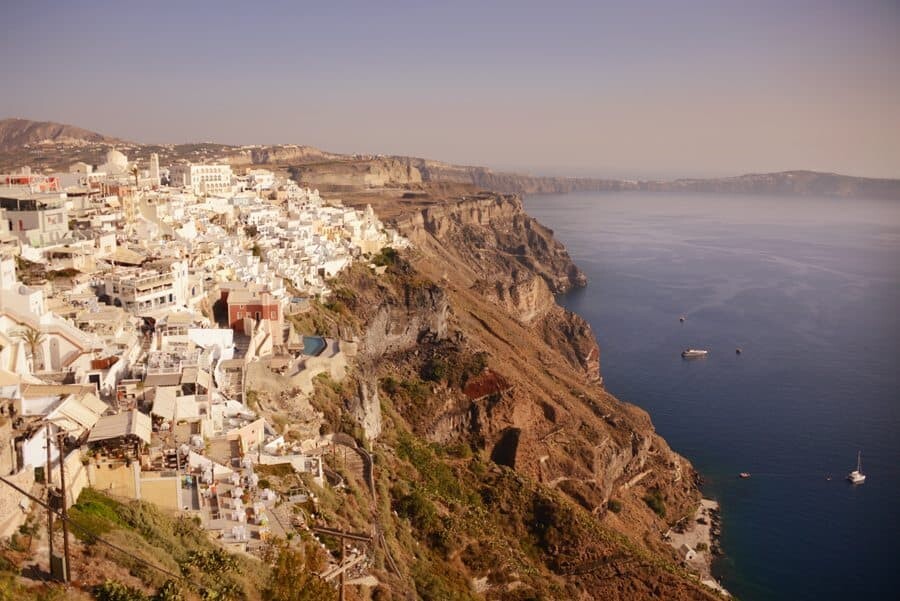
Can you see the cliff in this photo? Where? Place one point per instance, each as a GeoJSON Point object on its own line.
{"type": "Point", "coordinates": [495, 432]}
{"type": "Point", "coordinates": [354, 174]}
{"type": "Point", "coordinates": [413, 172]}
{"type": "Point", "coordinates": [274, 155]}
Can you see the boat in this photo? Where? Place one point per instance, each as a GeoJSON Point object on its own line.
{"type": "Point", "coordinates": [737, 351]}
{"type": "Point", "coordinates": [681, 319]}
{"type": "Point", "coordinates": [744, 475]}
{"type": "Point", "coordinates": [693, 352]}
{"type": "Point", "coordinates": [856, 476]}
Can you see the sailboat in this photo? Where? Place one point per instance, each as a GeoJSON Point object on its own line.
{"type": "Point", "coordinates": [856, 476]}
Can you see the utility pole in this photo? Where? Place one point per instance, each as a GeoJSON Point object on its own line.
{"type": "Point", "coordinates": [61, 439]}
{"type": "Point", "coordinates": [48, 479]}
{"type": "Point", "coordinates": [341, 535]}
{"type": "Point", "coordinates": [341, 582]}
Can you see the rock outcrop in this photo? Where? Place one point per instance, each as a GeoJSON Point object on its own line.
{"type": "Point", "coordinates": [484, 280]}
{"type": "Point", "coordinates": [491, 235]}
{"type": "Point", "coordinates": [363, 173]}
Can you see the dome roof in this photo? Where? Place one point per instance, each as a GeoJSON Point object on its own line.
{"type": "Point", "coordinates": [114, 157]}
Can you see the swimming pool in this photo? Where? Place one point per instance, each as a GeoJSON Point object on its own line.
{"type": "Point", "coordinates": [313, 345]}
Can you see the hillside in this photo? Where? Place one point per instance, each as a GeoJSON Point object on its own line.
{"type": "Point", "coordinates": [503, 469]}
{"type": "Point", "coordinates": [17, 133]}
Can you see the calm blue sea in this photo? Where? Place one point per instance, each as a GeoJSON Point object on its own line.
{"type": "Point", "coordinates": [809, 289]}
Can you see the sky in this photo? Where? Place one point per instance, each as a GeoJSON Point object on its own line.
{"type": "Point", "coordinates": [632, 89]}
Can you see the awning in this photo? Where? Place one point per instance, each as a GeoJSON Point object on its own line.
{"type": "Point", "coordinates": [172, 378]}
{"type": "Point", "coordinates": [164, 402]}
{"type": "Point", "coordinates": [188, 408]}
{"type": "Point", "coordinates": [126, 256]}
{"type": "Point", "coordinates": [189, 375]}
{"type": "Point", "coordinates": [128, 423]}
{"type": "Point", "coordinates": [204, 379]}
{"type": "Point", "coordinates": [77, 414]}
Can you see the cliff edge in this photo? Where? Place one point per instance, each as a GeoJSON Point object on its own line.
{"type": "Point", "coordinates": [510, 467]}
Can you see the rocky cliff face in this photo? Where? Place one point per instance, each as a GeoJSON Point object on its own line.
{"type": "Point", "coordinates": [466, 346]}
{"type": "Point", "coordinates": [267, 155]}
{"type": "Point", "coordinates": [493, 270]}
{"type": "Point", "coordinates": [500, 265]}
{"type": "Point", "coordinates": [491, 234]}
{"type": "Point", "coordinates": [363, 173]}
{"type": "Point", "coordinates": [398, 324]}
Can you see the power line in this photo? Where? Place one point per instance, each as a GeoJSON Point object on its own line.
{"type": "Point", "coordinates": [98, 538]}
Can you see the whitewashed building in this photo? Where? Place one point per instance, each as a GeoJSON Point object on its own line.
{"type": "Point", "coordinates": [203, 179]}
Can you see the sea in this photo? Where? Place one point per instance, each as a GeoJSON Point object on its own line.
{"type": "Point", "coordinates": [809, 290]}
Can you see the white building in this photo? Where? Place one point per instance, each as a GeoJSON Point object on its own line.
{"type": "Point", "coordinates": [260, 179]}
{"type": "Point", "coordinates": [36, 218]}
{"type": "Point", "coordinates": [203, 179]}
{"type": "Point", "coordinates": [140, 290]}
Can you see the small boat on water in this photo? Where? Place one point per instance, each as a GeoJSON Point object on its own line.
{"type": "Point", "coordinates": [856, 476]}
{"type": "Point", "coordinates": [744, 475]}
{"type": "Point", "coordinates": [689, 353]}
{"type": "Point", "coordinates": [682, 318]}
{"type": "Point", "coordinates": [737, 351]}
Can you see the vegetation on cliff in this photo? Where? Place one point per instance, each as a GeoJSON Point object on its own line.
{"type": "Point", "coordinates": [499, 453]}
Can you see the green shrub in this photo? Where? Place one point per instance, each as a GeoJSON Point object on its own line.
{"type": "Point", "coordinates": [390, 385]}
{"type": "Point", "coordinates": [336, 306]}
{"type": "Point", "coordinates": [435, 369]}
{"type": "Point", "coordinates": [214, 561]}
{"type": "Point", "coordinates": [655, 501]}
{"type": "Point", "coordinates": [415, 391]}
{"type": "Point", "coordinates": [387, 257]}
{"type": "Point", "coordinates": [419, 511]}
{"type": "Point", "coordinates": [435, 584]}
{"type": "Point", "coordinates": [96, 515]}
{"type": "Point", "coordinates": [472, 366]}
{"type": "Point", "coordinates": [116, 591]}
{"type": "Point", "coordinates": [294, 576]}
{"type": "Point", "coordinates": [614, 505]}
{"type": "Point", "coordinates": [438, 477]}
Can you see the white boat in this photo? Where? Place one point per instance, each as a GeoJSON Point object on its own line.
{"type": "Point", "coordinates": [856, 476]}
{"type": "Point", "coordinates": [693, 352]}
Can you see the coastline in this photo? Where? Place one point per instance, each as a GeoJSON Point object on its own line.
{"type": "Point", "coordinates": [695, 539]}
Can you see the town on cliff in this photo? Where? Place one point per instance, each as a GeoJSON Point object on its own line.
{"type": "Point", "coordinates": [293, 374]}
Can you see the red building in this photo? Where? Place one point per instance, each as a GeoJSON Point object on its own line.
{"type": "Point", "coordinates": [248, 310]}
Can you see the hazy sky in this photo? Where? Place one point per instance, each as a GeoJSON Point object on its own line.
{"type": "Point", "coordinates": [635, 88]}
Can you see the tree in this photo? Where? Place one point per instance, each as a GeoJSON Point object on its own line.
{"type": "Point", "coordinates": [33, 339]}
{"type": "Point", "coordinates": [295, 577]}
